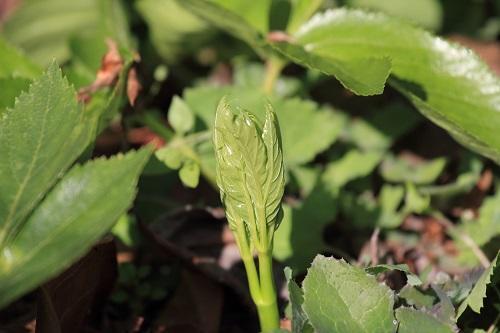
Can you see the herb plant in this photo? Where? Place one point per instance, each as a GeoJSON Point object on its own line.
{"type": "Point", "coordinates": [377, 193]}
{"type": "Point", "coordinates": [251, 179]}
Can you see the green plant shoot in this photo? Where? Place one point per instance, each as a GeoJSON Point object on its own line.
{"type": "Point", "coordinates": [250, 176]}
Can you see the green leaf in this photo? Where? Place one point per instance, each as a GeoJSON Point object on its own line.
{"type": "Point", "coordinates": [77, 211]}
{"type": "Point", "coordinates": [352, 165]}
{"type": "Point", "coordinates": [300, 235]}
{"type": "Point", "coordinates": [300, 323]}
{"type": "Point", "coordinates": [171, 156]}
{"type": "Point", "coordinates": [256, 13]}
{"type": "Point", "coordinates": [300, 12]}
{"type": "Point", "coordinates": [413, 280]}
{"type": "Point", "coordinates": [39, 139]}
{"type": "Point", "coordinates": [242, 24]}
{"type": "Point", "coordinates": [190, 173]}
{"type": "Point", "coordinates": [415, 321]}
{"type": "Point", "coordinates": [475, 300]}
{"type": "Point", "coordinates": [15, 64]}
{"type": "Point", "coordinates": [449, 84]}
{"type": "Point", "coordinates": [341, 298]}
{"type": "Point", "coordinates": [381, 127]}
{"type": "Point", "coordinates": [364, 76]}
{"type": "Point", "coordinates": [425, 13]}
{"type": "Point", "coordinates": [401, 170]}
{"type": "Point", "coordinates": [250, 171]}
{"type": "Point", "coordinates": [295, 114]}
{"type": "Point", "coordinates": [180, 117]}
{"type": "Point", "coordinates": [43, 28]}
{"type": "Point", "coordinates": [11, 88]}
{"type": "Point", "coordinates": [175, 31]}
{"type": "Point", "coordinates": [413, 296]}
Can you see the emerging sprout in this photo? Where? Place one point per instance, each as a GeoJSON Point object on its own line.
{"type": "Point", "coordinates": [250, 176]}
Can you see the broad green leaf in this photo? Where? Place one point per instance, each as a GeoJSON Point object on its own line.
{"type": "Point", "coordinates": [425, 13]}
{"type": "Point", "coordinates": [87, 201]}
{"type": "Point", "coordinates": [401, 170]}
{"type": "Point", "coordinates": [415, 297]}
{"type": "Point", "coordinates": [180, 117]}
{"type": "Point", "coordinates": [300, 235]}
{"type": "Point", "coordinates": [189, 173]}
{"type": "Point", "coordinates": [250, 171]}
{"type": "Point", "coordinates": [415, 202]}
{"type": "Point", "coordinates": [43, 27]}
{"type": "Point", "coordinates": [413, 280]}
{"type": "Point", "coordinates": [175, 30]}
{"type": "Point", "coordinates": [15, 64]}
{"type": "Point", "coordinates": [300, 12]}
{"type": "Point", "coordinates": [364, 76]}
{"type": "Point", "coordinates": [39, 138]}
{"type": "Point", "coordinates": [342, 298]}
{"type": "Point", "coordinates": [389, 200]}
{"type": "Point", "coordinates": [295, 114]}
{"type": "Point", "coordinates": [381, 127]}
{"type": "Point", "coordinates": [235, 23]}
{"type": "Point", "coordinates": [416, 321]}
{"type": "Point", "coordinates": [256, 13]}
{"type": "Point", "coordinates": [448, 83]}
{"type": "Point", "coordinates": [475, 300]}
{"type": "Point", "coordinates": [300, 323]}
{"type": "Point", "coordinates": [352, 165]}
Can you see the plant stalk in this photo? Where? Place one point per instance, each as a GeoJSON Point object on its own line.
{"type": "Point", "coordinates": [274, 65]}
{"type": "Point", "coordinates": [267, 307]}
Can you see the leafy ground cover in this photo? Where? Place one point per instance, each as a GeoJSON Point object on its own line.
{"type": "Point", "coordinates": [380, 185]}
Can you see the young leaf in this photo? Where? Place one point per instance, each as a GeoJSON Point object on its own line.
{"type": "Point", "coordinates": [39, 138]}
{"type": "Point", "coordinates": [250, 172]}
{"type": "Point", "coordinates": [180, 117]}
{"type": "Point", "coordinates": [76, 212]}
{"type": "Point", "coordinates": [413, 280]}
{"type": "Point", "coordinates": [475, 300]}
{"type": "Point", "coordinates": [339, 297]}
{"type": "Point", "coordinates": [449, 84]}
{"type": "Point", "coordinates": [415, 321]}
{"type": "Point", "coordinates": [300, 323]}
{"type": "Point", "coordinates": [190, 173]}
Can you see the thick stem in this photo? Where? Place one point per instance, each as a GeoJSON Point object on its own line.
{"type": "Point", "coordinates": [274, 66]}
{"type": "Point", "coordinates": [268, 307]}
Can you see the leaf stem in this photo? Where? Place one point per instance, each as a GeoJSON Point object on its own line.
{"type": "Point", "coordinates": [274, 66]}
{"type": "Point", "coordinates": [268, 307]}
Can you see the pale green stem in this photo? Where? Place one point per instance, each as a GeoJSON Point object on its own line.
{"type": "Point", "coordinates": [274, 66]}
{"type": "Point", "coordinates": [267, 307]}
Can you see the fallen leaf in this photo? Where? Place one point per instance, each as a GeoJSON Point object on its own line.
{"type": "Point", "coordinates": [111, 65]}
{"type": "Point", "coordinates": [133, 86]}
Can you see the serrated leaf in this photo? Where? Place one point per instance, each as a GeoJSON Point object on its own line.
{"type": "Point", "coordinates": [449, 84]}
{"type": "Point", "coordinates": [416, 321]}
{"type": "Point", "coordinates": [77, 211]}
{"type": "Point", "coordinates": [180, 117]}
{"type": "Point", "coordinates": [300, 323]}
{"type": "Point", "coordinates": [475, 300]}
{"type": "Point", "coordinates": [413, 280]}
{"type": "Point", "coordinates": [400, 170]}
{"type": "Point", "coordinates": [355, 301]}
{"type": "Point", "coordinates": [190, 173]}
{"type": "Point", "coordinates": [39, 138]}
